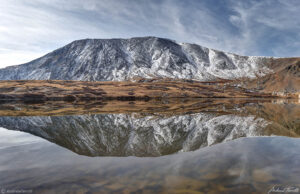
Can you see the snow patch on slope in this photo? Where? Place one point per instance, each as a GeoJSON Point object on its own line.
{"type": "Point", "coordinates": [126, 59]}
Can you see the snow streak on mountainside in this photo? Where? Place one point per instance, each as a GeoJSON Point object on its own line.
{"type": "Point", "coordinates": [126, 59]}
{"type": "Point", "coordinates": [125, 135]}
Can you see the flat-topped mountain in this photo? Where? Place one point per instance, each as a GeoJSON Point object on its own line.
{"type": "Point", "coordinates": [127, 59]}
{"type": "Point", "coordinates": [152, 58]}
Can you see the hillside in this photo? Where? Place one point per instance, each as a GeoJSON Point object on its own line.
{"type": "Point", "coordinates": [284, 79]}
{"type": "Point", "coordinates": [127, 59]}
{"type": "Point", "coordinates": [144, 59]}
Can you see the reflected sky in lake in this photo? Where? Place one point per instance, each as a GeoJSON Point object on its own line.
{"type": "Point", "coordinates": [222, 152]}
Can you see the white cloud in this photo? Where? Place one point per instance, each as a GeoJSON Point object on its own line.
{"type": "Point", "coordinates": [33, 28]}
{"type": "Point", "coordinates": [12, 57]}
{"type": "Point", "coordinates": [261, 21]}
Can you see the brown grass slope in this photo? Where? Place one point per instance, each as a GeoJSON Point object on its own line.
{"type": "Point", "coordinates": [284, 79]}
{"type": "Point", "coordinates": [42, 90]}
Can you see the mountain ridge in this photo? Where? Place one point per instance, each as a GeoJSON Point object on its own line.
{"type": "Point", "coordinates": [140, 57]}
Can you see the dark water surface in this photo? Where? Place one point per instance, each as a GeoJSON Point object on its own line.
{"type": "Point", "coordinates": [250, 148]}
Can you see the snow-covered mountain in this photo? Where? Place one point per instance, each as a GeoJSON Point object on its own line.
{"type": "Point", "coordinates": [127, 59]}
{"type": "Point", "coordinates": [127, 135]}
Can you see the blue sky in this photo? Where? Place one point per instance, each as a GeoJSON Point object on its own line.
{"type": "Point", "coordinates": [30, 29]}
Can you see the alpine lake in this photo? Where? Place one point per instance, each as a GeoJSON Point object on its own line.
{"type": "Point", "coordinates": [154, 146]}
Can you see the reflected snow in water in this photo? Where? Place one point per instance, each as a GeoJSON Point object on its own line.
{"type": "Point", "coordinates": [246, 150]}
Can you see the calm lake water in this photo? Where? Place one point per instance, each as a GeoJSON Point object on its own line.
{"type": "Point", "coordinates": [163, 147]}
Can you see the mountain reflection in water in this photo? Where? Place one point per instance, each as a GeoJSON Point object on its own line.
{"type": "Point", "coordinates": [210, 133]}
